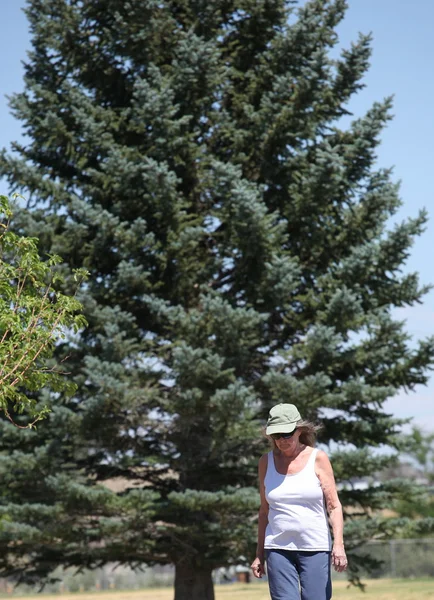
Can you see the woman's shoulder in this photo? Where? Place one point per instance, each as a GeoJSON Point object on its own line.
{"type": "Point", "coordinates": [321, 459]}
{"type": "Point", "coordinates": [320, 454]}
{"type": "Point", "coordinates": [263, 465]}
{"type": "Point", "coordinates": [264, 459]}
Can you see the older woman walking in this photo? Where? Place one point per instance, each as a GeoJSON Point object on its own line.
{"type": "Point", "coordinates": [297, 489]}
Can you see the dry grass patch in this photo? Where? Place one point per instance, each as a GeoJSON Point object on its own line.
{"type": "Point", "coordinates": [377, 589]}
{"type": "Point", "coordinates": [380, 589]}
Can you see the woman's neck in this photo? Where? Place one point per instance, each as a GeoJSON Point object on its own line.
{"type": "Point", "coordinates": [293, 453]}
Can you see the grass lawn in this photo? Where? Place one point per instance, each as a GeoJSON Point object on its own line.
{"type": "Point", "coordinates": [377, 589]}
{"type": "Point", "coordinates": [380, 589]}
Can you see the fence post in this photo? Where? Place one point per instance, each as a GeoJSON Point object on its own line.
{"type": "Point", "coordinates": [393, 558]}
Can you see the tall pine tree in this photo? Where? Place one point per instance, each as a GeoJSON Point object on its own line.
{"type": "Point", "coordinates": [190, 155]}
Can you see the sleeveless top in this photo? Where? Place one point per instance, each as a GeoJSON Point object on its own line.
{"type": "Point", "coordinates": [297, 517]}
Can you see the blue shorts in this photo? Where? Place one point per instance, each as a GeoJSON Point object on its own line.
{"type": "Point", "coordinates": [295, 575]}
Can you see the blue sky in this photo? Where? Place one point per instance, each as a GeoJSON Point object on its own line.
{"type": "Point", "coordinates": [403, 54]}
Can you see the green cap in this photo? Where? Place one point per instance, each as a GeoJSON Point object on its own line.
{"type": "Point", "coordinates": [282, 418]}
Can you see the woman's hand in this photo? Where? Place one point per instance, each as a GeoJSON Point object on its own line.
{"type": "Point", "coordinates": [339, 558]}
{"type": "Point", "coordinates": [257, 567]}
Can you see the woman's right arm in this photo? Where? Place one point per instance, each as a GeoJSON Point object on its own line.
{"type": "Point", "coordinates": [257, 565]}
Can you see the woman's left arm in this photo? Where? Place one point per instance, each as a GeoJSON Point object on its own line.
{"type": "Point", "coordinates": [324, 471]}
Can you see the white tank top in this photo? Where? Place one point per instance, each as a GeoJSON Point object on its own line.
{"type": "Point", "coordinates": [297, 518]}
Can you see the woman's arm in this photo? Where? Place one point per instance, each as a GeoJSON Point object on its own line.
{"type": "Point", "coordinates": [325, 474]}
{"type": "Point", "coordinates": [257, 565]}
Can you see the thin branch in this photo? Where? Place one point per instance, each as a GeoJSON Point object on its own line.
{"type": "Point", "coordinates": [28, 426]}
{"type": "Point", "coordinates": [44, 345]}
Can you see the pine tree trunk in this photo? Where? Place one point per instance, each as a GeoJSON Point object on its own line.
{"type": "Point", "coordinates": [193, 584]}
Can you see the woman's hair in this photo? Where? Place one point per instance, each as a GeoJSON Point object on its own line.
{"type": "Point", "coordinates": [309, 432]}
{"type": "Point", "coordinates": [307, 435]}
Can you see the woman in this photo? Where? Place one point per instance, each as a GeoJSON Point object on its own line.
{"type": "Point", "coordinates": [298, 489]}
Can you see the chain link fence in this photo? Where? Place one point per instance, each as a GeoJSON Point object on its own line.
{"type": "Point", "coordinates": [409, 558]}
{"type": "Point", "coordinates": [400, 558]}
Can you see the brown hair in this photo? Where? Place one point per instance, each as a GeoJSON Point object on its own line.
{"type": "Point", "coordinates": [307, 435]}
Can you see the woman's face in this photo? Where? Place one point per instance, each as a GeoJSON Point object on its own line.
{"type": "Point", "coordinates": [287, 443]}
